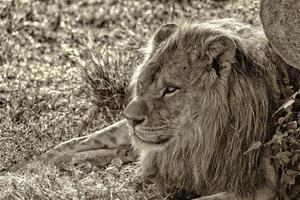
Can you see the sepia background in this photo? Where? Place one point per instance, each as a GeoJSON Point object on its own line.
{"type": "Point", "coordinates": [64, 70]}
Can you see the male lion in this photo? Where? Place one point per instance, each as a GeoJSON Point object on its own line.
{"type": "Point", "coordinates": [204, 94]}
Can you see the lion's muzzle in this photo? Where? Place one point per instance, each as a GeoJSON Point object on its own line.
{"type": "Point", "coordinates": [136, 112]}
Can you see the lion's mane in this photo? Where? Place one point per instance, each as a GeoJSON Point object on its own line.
{"type": "Point", "coordinates": [211, 158]}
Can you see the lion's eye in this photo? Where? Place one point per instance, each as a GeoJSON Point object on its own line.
{"type": "Point", "coordinates": [170, 90]}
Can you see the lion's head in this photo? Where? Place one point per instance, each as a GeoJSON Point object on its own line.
{"type": "Point", "coordinates": [203, 95]}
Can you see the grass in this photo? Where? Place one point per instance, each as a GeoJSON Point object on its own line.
{"type": "Point", "coordinates": [64, 69]}
{"type": "Point", "coordinates": [46, 182]}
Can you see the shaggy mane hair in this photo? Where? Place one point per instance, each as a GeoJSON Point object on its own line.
{"type": "Point", "coordinates": [211, 157]}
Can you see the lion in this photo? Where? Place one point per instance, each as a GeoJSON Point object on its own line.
{"type": "Point", "coordinates": [203, 96]}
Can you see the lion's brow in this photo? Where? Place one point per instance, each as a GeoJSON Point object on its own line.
{"type": "Point", "coordinates": [147, 76]}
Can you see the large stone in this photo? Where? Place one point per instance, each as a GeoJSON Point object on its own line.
{"type": "Point", "coordinates": [281, 22]}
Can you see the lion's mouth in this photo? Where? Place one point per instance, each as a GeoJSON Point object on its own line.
{"type": "Point", "coordinates": [152, 138]}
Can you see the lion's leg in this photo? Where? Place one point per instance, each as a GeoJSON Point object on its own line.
{"type": "Point", "coordinates": [98, 148]}
{"type": "Point", "coordinates": [101, 147]}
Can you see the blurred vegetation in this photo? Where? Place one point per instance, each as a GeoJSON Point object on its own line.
{"type": "Point", "coordinates": [285, 146]}
{"type": "Point", "coordinates": [64, 69]}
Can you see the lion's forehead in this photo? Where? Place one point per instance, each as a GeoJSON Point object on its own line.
{"type": "Point", "coordinates": [165, 68]}
{"type": "Point", "coordinates": [173, 59]}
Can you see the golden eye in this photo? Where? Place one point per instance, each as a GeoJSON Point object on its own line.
{"type": "Point", "coordinates": [170, 90]}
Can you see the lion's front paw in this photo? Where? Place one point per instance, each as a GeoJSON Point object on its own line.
{"type": "Point", "coordinates": [98, 158]}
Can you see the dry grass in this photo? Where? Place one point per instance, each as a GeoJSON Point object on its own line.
{"type": "Point", "coordinates": [64, 68]}
{"type": "Point", "coordinates": [48, 183]}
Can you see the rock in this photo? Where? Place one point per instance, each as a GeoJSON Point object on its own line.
{"type": "Point", "coordinates": [281, 22]}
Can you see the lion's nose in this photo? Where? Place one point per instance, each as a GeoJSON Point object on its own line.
{"type": "Point", "coordinates": [135, 112]}
{"type": "Point", "coordinates": [134, 122]}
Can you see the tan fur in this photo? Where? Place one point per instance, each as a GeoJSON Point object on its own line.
{"type": "Point", "coordinates": [216, 114]}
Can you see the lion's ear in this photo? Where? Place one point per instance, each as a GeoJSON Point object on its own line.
{"type": "Point", "coordinates": [221, 48]}
{"type": "Point", "coordinates": [164, 32]}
